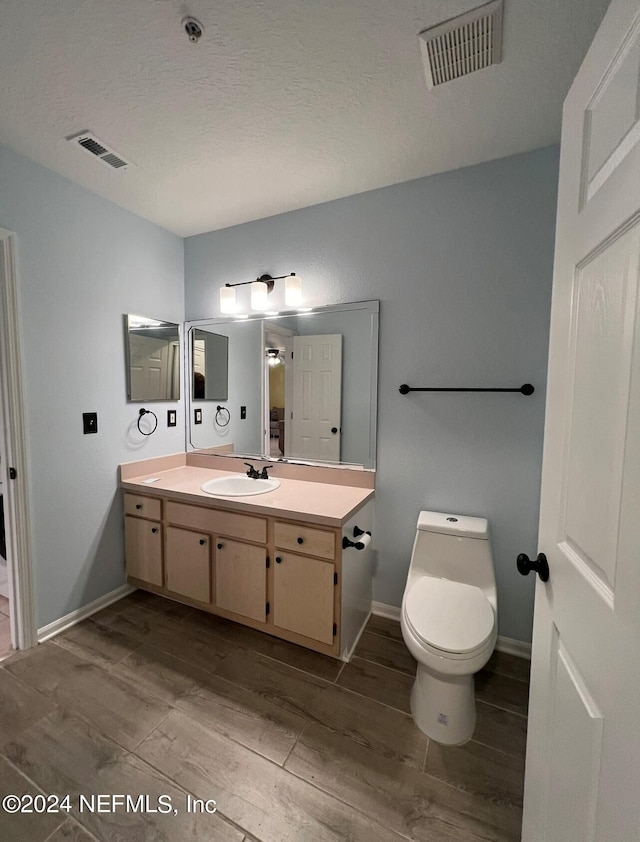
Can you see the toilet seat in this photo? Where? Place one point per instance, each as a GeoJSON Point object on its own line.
{"type": "Point", "coordinates": [451, 617]}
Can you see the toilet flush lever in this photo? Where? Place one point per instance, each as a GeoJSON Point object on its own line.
{"type": "Point", "coordinates": [539, 566]}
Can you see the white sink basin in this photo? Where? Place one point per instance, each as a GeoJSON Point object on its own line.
{"type": "Point", "coordinates": [238, 486]}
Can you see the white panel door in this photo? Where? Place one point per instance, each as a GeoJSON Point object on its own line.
{"type": "Point", "coordinates": [583, 752]}
{"type": "Point", "coordinates": [317, 402]}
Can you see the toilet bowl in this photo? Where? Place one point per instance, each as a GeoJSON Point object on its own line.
{"type": "Point", "coordinates": [449, 621]}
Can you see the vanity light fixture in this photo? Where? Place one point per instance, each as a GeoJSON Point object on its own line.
{"type": "Point", "coordinates": [260, 289]}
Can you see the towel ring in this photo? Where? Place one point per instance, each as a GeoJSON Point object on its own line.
{"type": "Point", "coordinates": [142, 413]}
{"type": "Point", "coordinates": [220, 410]}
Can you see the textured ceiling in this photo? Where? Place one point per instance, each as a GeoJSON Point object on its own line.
{"type": "Point", "coordinates": [281, 105]}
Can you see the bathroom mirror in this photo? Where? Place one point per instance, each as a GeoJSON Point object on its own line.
{"type": "Point", "coordinates": [302, 386]}
{"type": "Point", "coordinates": [210, 365]}
{"type": "Point", "coordinates": [152, 359]}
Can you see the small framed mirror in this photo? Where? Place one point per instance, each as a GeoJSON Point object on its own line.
{"type": "Point", "coordinates": [209, 365]}
{"type": "Point", "coordinates": [153, 359]}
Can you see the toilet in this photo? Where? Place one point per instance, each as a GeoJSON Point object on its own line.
{"type": "Point", "coordinates": [449, 621]}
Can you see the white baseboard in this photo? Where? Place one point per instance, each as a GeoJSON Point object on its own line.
{"type": "Point", "coordinates": [514, 647]}
{"type": "Point", "coordinates": [504, 644]}
{"type": "Point", "coordinates": [381, 609]}
{"type": "Point", "coordinates": [80, 614]}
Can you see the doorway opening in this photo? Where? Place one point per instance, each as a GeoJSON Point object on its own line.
{"type": "Point", "coordinates": [17, 616]}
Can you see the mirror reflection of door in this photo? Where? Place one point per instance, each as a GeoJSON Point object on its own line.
{"type": "Point", "coordinates": [316, 400]}
{"type": "Point", "coordinates": [154, 368]}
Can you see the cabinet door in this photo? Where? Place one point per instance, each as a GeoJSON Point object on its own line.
{"type": "Point", "coordinates": [143, 549]}
{"type": "Point", "coordinates": [188, 563]}
{"type": "Point", "coordinates": [303, 596]}
{"type": "Point", "coordinates": [241, 579]}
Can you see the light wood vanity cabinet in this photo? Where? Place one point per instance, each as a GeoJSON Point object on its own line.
{"type": "Point", "coordinates": [241, 579]}
{"type": "Point", "coordinates": [304, 587]}
{"type": "Point", "coordinates": [143, 538]}
{"type": "Point", "coordinates": [281, 576]}
{"type": "Point", "coordinates": [215, 564]}
{"type": "Point", "coordinates": [188, 563]}
{"type": "Point", "coordinates": [304, 596]}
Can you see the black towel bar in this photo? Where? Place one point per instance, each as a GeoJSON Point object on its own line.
{"type": "Point", "coordinates": [525, 389]}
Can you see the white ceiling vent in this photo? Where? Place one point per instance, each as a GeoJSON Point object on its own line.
{"type": "Point", "coordinates": [462, 45]}
{"type": "Point", "coordinates": [97, 149]}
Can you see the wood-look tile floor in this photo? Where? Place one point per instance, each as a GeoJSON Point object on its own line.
{"type": "Point", "coordinates": [152, 698]}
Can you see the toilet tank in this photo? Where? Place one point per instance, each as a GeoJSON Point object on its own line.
{"type": "Point", "coordinates": [454, 547]}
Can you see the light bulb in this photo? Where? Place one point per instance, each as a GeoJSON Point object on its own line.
{"type": "Point", "coordinates": [292, 290]}
{"type": "Point", "coordinates": [259, 295]}
{"type": "Point", "coordinates": [227, 300]}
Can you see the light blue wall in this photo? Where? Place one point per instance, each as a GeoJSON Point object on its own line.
{"type": "Point", "coordinates": [462, 264]}
{"type": "Point", "coordinates": [82, 263]}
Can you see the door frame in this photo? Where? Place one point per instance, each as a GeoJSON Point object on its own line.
{"type": "Point", "coordinates": [13, 452]}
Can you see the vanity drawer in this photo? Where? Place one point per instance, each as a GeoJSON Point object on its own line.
{"type": "Point", "coordinates": [245, 527]}
{"type": "Point", "coordinates": [140, 506]}
{"type": "Point", "coordinates": [305, 539]}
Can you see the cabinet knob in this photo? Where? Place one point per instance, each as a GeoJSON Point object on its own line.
{"type": "Point", "coordinates": [138, 505]}
{"type": "Point", "coordinates": [301, 540]}
{"type": "Point", "coordinates": [278, 560]}
{"type": "Point", "coordinates": [219, 546]}
{"type": "Point", "coordinates": [203, 541]}
{"type": "Point", "coordinates": [154, 529]}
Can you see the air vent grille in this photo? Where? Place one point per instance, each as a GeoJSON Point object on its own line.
{"type": "Point", "coordinates": [462, 45]}
{"type": "Point", "coordinates": [96, 148]}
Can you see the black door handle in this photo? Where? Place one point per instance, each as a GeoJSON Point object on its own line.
{"type": "Point", "coordinates": [539, 566]}
{"type": "Point", "coordinates": [334, 430]}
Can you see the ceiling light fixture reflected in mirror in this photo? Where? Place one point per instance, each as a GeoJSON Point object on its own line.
{"type": "Point", "coordinates": [273, 357]}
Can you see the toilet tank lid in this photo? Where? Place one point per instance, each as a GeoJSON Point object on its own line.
{"type": "Point", "coordinates": [449, 524]}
